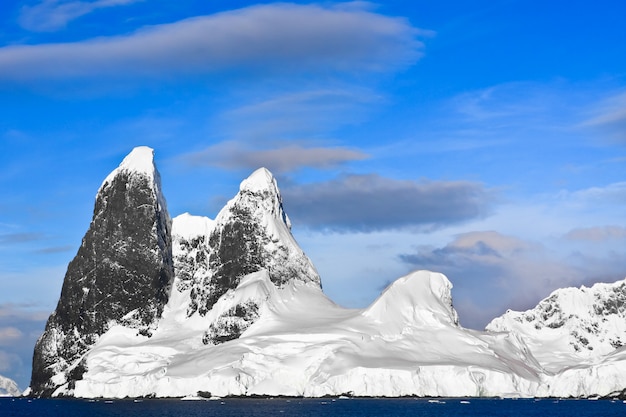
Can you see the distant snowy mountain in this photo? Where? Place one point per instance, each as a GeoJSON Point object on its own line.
{"type": "Point", "coordinates": [8, 388]}
{"type": "Point", "coordinates": [572, 325]}
{"type": "Point", "coordinates": [233, 306]}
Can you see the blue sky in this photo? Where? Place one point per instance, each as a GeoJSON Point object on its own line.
{"type": "Point", "coordinates": [484, 139]}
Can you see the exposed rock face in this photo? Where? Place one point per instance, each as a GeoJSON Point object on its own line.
{"type": "Point", "coordinates": [576, 323]}
{"type": "Point", "coordinates": [190, 247]}
{"type": "Point", "coordinates": [122, 273]}
{"type": "Point", "coordinates": [250, 234]}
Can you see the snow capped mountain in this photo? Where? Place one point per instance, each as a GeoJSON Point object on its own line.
{"type": "Point", "coordinates": [251, 233]}
{"type": "Point", "coordinates": [572, 325]}
{"type": "Point", "coordinates": [8, 388]}
{"type": "Point", "coordinates": [233, 306]}
{"type": "Point", "coordinates": [122, 273]}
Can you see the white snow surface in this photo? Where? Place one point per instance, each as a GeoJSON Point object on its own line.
{"type": "Point", "coordinates": [8, 387]}
{"type": "Point", "coordinates": [407, 342]}
{"type": "Point", "coordinates": [139, 160]}
{"type": "Point", "coordinates": [139, 163]}
{"type": "Point", "coordinates": [188, 226]}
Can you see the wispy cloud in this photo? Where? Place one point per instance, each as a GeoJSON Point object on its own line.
{"type": "Point", "coordinates": [22, 312]}
{"type": "Point", "coordinates": [614, 193]}
{"type": "Point", "coordinates": [9, 335]}
{"type": "Point", "coordinates": [51, 15]}
{"type": "Point", "coordinates": [597, 234]}
{"type": "Point", "coordinates": [8, 361]}
{"type": "Point", "coordinates": [609, 116]}
{"type": "Point", "coordinates": [12, 238]}
{"type": "Point", "coordinates": [55, 249]}
{"type": "Point", "coordinates": [299, 114]}
{"type": "Point", "coordinates": [279, 38]}
{"type": "Point", "coordinates": [233, 155]}
{"type": "Point", "coordinates": [371, 202]}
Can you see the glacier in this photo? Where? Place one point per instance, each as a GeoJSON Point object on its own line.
{"type": "Point", "coordinates": [246, 315]}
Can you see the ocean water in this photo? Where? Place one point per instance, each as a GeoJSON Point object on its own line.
{"type": "Point", "coordinates": [254, 407]}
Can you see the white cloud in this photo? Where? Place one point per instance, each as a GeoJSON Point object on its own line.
{"type": "Point", "coordinates": [9, 335]}
{"type": "Point", "coordinates": [609, 116]}
{"type": "Point", "coordinates": [275, 37]}
{"type": "Point", "coordinates": [298, 114]}
{"type": "Point", "coordinates": [612, 193]}
{"type": "Point", "coordinates": [597, 234]}
{"type": "Point", "coordinates": [8, 361]}
{"type": "Point", "coordinates": [51, 15]}
{"type": "Point", "coordinates": [22, 312]}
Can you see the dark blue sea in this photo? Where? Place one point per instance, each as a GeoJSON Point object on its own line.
{"type": "Point", "coordinates": [310, 408]}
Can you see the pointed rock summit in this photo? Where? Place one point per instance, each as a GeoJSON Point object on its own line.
{"type": "Point", "coordinates": [251, 233]}
{"type": "Point", "coordinates": [122, 273]}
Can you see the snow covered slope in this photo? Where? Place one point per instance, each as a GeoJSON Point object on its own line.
{"type": "Point", "coordinates": [572, 325]}
{"type": "Point", "coordinates": [303, 344]}
{"type": "Point", "coordinates": [300, 343]}
{"type": "Point", "coordinates": [8, 388]}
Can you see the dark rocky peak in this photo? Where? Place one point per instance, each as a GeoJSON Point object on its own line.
{"type": "Point", "coordinates": [122, 273]}
{"type": "Point", "coordinates": [251, 233]}
{"type": "Point", "coordinates": [259, 192]}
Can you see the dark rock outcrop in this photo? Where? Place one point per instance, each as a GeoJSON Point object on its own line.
{"type": "Point", "coordinates": [122, 274]}
{"type": "Point", "coordinates": [250, 234]}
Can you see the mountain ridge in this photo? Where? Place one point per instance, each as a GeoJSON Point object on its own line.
{"type": "Point", "coordinates": [240, 311]}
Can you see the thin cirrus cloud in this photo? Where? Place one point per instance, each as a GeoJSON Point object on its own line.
{"type": "Point", "coordinates": [12, 238]}
{"type": "Point", "coordinates": [233, 156]}
{"type": "Point", "coordinates": [370, 202]}
{"type": "Point", "coordinates": [275, 37]}
{"type": "Point", "coordinates": [51, 15]}
{"type": "Point", "coordinates": [596, 234]}
{"type": "Point", "coordinates": [610, 117]}
{"type": "Point", "coordinates": [9, 335]}
{"type": "Point", "coordinates": [299, 113]}
{"type": "Point", "coordinates": [614, 193]}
